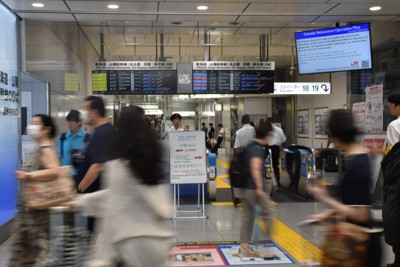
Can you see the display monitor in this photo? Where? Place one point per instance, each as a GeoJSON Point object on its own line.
{"type": "Point", "coordinates": [342, 48]}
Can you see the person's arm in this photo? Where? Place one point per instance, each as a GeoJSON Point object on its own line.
{"type": "Point", "coordinates": [393, 135]}
{"type": "Point", "coordinates": [256, 174]}
{"type": "Point", "coordinates": [91, 204]}
{"type": "Point", "coordinates": [49, 161]}
{"type": "Point", "coordinates": [90, 176]}
{"type": "Point", "coordinates": [356, 214]}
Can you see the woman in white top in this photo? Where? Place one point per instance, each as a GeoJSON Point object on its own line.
{"type": "Point", "coordinates": [220, 138]}
{"type": "Point", "coordinates": [135, 207]}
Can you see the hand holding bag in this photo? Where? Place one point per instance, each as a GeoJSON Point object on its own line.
{"type": "Point", "coordinates": [41, 195]}
{"type": "Point", "coordinates": [345, 245]}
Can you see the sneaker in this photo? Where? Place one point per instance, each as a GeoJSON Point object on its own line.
{"type": "Point", "coordinates": [249, 252]}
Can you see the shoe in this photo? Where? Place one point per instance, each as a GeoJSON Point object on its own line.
{"type": "Point", "coordinates": [246, 253]}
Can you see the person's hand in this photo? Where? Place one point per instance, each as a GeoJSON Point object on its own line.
{"type": "Point", "coordinates": [260, 193]}
{"type": "Point", "coordinates": [320, 216]}
{"type": "Point", "coordinates": [81, 189]}
{"type": "Point", "coordinates": [319, 192]}
{"type": "Point", "coordinates": [21, 175]}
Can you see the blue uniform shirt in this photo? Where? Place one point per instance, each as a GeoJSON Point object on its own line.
{"type": "Point", "coordinates": [70, 142]}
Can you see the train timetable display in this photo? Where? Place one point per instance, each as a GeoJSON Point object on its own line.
{"type": "Point", "coordinates": [233, 81]}
{"type": "Point", "coordinates": [119, 82]}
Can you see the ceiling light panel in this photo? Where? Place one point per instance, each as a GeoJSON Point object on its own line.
{"type": "Point", "coordinates": [101, 6]}
{"type": "Point", "coordinates": [27, 5]}
{"type": "Point", "coordinates": [192, 7]}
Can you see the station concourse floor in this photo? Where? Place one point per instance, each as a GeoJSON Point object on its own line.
{"type": "Point", "coordinates": [223, 224]}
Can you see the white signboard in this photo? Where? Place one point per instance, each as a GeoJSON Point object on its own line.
{"type": "Point", "coordinates": [302, 88]}
{"type": "Point", "coordinates": [374, 108]}
{"type": "Point", "coordinates": [188, 157]}
{"type": "Point", "coordinates": [359, 116]}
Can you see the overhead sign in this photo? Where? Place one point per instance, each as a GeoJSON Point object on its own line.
{"type": "Point", "coordinates": [134, 65]}
{"type": "Point", "coordinates": [302, 88]}
{"type": "Point", "coordinates": [187, 157]}
{"type": "Point", "coordinates": [233, 65]}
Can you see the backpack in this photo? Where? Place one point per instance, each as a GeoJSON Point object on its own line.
{"type": "Point", "coordinates": [236, 169]}
{"type": "Point", "coordinates": [77, 155]}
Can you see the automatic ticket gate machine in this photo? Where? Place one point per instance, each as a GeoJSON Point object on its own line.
{"type": "Point", "coordinates": [299, 164]}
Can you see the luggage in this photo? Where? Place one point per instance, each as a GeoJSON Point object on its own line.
{"type": "Point", "coordinates": [69, 238]}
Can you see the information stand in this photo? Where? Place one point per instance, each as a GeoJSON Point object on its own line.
{"type": "Point", "coordinates": [188, 166]}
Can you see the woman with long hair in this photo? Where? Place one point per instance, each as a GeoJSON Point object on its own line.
{"type": "Point", "coordinates": [135, 206]}
{"type": "Point", "coordinates": [31, 241]}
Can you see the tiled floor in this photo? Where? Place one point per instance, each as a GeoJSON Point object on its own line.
{"type": "Point", "coordinates": [223, 224]}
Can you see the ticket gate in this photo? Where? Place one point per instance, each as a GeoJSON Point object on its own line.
{"type": "Point", "coordinates": [298, 166]}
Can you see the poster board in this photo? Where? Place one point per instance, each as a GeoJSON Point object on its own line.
{"type": "Point", "coordinates": [9, 114]}
{"type": "Point", "coordinates": [358, 111]}
{"type": "Point", "coordinates": [302, 123]}
{"type": "Point", "coordinates": [376, 143]}
{"type": "Point", "coordinates": [374, 108]}
{"type": "Point", "coordinates": [188, 158]}
{"type": "Point", "coordinates": [320, 119]}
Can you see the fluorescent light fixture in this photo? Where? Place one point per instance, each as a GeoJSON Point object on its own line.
{"type": "Point", "coordinates": [148, 106]}
{"type": "Point", "coordinates": [113, 6]}
{"type": "Point", "coordinates": [186, 113]}
{"type": "Point", "coordinates": [202, 7]}
{"type": "Point", "coordinates": [208, 113]}
{"type": "Point", "coordinates": [197, 96]}
{"type": "Point", "coordinates": [375, 8]}
{"type": "Point", "coordinates": [153, 112]}
{"type": "Point", "coordinates": [38, 5]}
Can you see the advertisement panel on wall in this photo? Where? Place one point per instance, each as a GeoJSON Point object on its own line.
{"type": "Point", "coordinates": [9, 114]}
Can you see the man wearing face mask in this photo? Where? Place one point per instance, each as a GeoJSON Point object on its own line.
{"type": "Point", "coordinates": [99, 149]}
{"type": "Point", "coordinates": [71, 145]}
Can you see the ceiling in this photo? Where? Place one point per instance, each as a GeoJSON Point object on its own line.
{"type": "Point", "coordinates": [233, 26]}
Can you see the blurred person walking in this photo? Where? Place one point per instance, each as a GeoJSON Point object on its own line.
{"type": "Point", "coordinates": [134, 207]}
{"type": "Point", "coordinates": [278, 138]}
{"type": "Point", "coordinates": [255, 191]}
{"type": "Point", "coordinates": [71, 145]}
{"type": "Point", "coordinates": [391, 181]}
{"type": "Point", "coordinates": [355, 189]}
{"type": "Point", "coordinates": [31, 242]}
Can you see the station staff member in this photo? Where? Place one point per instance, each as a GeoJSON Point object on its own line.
{"type": "Point", "coordinates": [175, 127]}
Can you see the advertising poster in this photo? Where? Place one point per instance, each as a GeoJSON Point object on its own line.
{"type": "Point", "coordinates": [9, 114]}
{"type": "Point", "coordinates": [320, 118]}
{"type": "Point", "coordinates": [374, 108]}
{"type": "Point", "coordinates": [270, 254]}
{"type": "Point", "coordinates": [187, 157]}
{"type": "Point", "coordinates": [201, 255]}
{"type": "Point", "coordinates": [376, 143]}
{"type": "Point", "coordinates": [302, 123]}
{"type": "Point", "coordinates": [359, 116]}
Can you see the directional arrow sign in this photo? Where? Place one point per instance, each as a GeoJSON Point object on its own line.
{"type": "Point", "coordinates": [302, 88]}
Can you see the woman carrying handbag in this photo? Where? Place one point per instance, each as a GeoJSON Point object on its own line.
{"type": "Point", "coordinates": [31, 240]}
{"type": "Point", "coordinates": [343, 247]}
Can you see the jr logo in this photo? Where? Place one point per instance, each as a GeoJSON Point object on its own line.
{"type": "Point", "coordinates": [354, 64]}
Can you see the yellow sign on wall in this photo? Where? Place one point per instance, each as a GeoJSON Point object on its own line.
{"type": "Point", "coordinates": [71, 82]}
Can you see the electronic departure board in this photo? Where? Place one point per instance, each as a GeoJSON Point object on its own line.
{"type": "Point", "coordinates": [146, 78]}
{"type": "Point", "coordinates": [233, 77]}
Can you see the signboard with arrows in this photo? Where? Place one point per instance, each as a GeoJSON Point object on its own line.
{"type": "Point", "coordinates": [302, 88]}
{"type": "Point", "coordinates": [188, 157]}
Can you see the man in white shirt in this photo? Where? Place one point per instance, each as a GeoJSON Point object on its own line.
{"type": "Point", "coordinates": [278, 137]}
{"type": "Point", "coordinates": [221, 133]}
{"type": "Point", "coordinates": [245, 135]}
{"type": "Point", "coordinates": [393, 130]}
{"type": "Point", "coordinates": [175, 127]}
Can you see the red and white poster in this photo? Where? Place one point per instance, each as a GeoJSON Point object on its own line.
{"type": "Point", "coordinates": [197, 255]}
{"type": "Point", "coordinates": [359, 116]}
{"type": "Point", "coordinates": [374, 108]}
